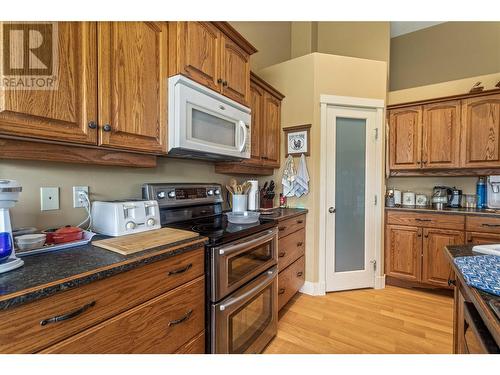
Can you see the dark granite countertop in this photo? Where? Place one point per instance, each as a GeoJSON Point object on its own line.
{"type": "Point", "coordinates": [281, 214]}
{"type": "Point", "coordinates": [46, 274]}
{"type": "Point", "coordinates": [480, 299]}
{"type": "Point", "coordinates": [448, 210]}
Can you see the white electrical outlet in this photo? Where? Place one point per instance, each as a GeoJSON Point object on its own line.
{"type": "Point", "coordinates": [77, 200]}
{"type": "Point", "coordinates": [49, 198]}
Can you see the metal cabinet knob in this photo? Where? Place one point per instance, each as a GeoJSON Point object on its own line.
{"type": "Point", "coordinates": [331, 210]}
{"type": "Point", "coordinates": [106, 128]}
{"type": "Point", "coordinates": [92, 125]}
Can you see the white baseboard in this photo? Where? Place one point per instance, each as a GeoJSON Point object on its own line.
{"type": "Point", "coordinates": [380, 282]}
{"type": "Point", "coordinates": [313, 289]}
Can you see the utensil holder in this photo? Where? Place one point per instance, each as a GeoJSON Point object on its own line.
{"type": "Point", "coordinates": [240, 202]}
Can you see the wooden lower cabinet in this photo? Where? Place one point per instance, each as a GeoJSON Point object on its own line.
{"type": "Point", "coordinates": [290, 281]}
{"type": "Point", "coordinates": [477, 238]}
{"type": "Point", "coordinates": [161, 325]}
{"type": "Point", "coordinates": [403, 246]}
{"type": "Point", "coordinates": [435, 267]}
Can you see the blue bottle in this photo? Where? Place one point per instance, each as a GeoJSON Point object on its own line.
{"type": "Point", "coordinates": [481, 192]}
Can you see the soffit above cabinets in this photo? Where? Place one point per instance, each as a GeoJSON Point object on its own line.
{"type": "Point", "coordinates": [405, 27]}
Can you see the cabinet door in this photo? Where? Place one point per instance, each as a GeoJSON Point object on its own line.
{"type": "Point", "coordinates": [403, 248]}
{"type": "Point", "coordinates": [436, 268]}
{"type": "Point", "coordinates": [481, 132]}
{"type": "Point", "coordinates": [405, 138]}
{"type": "Point", "coordinates": [271, 130]}
{"type": "Point", "coordinates": [476, 238]}
{"type": "Point", "coordinates": [235, 71]}
{"type": "Point", "coordinates": [441, 135]}
{"type": "Point", "coordinates": [62, 114]}
{"type": "Point", "coordinates": [133, 85]}
{"type": "Point", "coordinates": [258, 139]}
{"type": "Point", "coordinates": [198, 52]}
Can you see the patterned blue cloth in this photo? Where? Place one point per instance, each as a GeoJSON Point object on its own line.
{"type": "Point", "coordinates": [481, 272]}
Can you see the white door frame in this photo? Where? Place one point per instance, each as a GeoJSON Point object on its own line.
{"type": "Point", "coordinates": [351, 102]}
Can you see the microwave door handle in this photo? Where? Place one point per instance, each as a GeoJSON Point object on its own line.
{"type": "Point", "coordinates": [231, 301]}
{"type": "Point", "coordinates": [245, 135]}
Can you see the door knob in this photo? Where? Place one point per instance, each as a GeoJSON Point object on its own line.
{"type": "Point", "coordinates": [331, 210]}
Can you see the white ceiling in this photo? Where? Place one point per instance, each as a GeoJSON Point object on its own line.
{"type": "Point", "coordinates": [406, 27]}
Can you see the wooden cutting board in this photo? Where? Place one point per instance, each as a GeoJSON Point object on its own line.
{"type": "Point", "coordinates": [134, 243]}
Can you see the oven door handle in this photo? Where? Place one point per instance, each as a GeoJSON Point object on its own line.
{"type": "Point", "coordinates": [269, 277]}
{"type": "Point", "coordinates": [247, 243]}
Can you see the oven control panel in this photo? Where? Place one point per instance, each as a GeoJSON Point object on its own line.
{"type": "Point", "coordinates": [183, 194]}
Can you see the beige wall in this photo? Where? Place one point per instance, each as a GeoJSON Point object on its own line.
{"type": "Point", "coordinates": [445, 52]}
{"type": "Point", "coordinates": [272, 39]}
{"type": "Point", "coordinates": [302, 81]}
{"type": "Point", "coordinates": [105, 183]}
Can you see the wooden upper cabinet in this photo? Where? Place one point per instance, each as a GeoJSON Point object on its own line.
{"type": "Point", "coordinates": [62, 114]}
{"type": "Point", "coordinates": [405, 132]}
{"type": "Point", "coordinates": [271, 130]}
{"type": "Point", "coordinates": [235, 63]}
{"type": "Point", "coordinates": [197, 47]}
{"type": "Point", "coordinates": [257, 106]}
{"type": "Point", "coordinates": [436, 268]}
{"type": "Point", "coordinates": [403, 247]}
{"type": "Point", "coordinates": [133, 85]}
{"type": "Point", "coordinates": [481, 132]}
{"type": "Point", "coordinates": [441, 135]}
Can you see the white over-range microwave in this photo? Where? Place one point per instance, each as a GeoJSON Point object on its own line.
{"type": "Point", "coordinates": [204, 124]}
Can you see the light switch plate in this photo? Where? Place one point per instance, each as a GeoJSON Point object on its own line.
{"type": "Point", "coordinates": [49, 198]}
{"type": "Point", "coordinates": [77, 202]}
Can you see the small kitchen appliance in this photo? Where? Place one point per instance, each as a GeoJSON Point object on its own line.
{"type": "Point", "coordinates": [455, 198]}
{"type": "Point", "coordinates": [409, 198]}
{"type": "Point", "coordinates": [122, 217]}
{"type": "Point", "coordinates": [440, 197]}
{"type": "Point", "coordinates": [493, 191]}
{"type": "Point", "coordinates": [9, 195]}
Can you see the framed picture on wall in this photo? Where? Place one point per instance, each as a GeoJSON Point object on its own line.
{"type": "Point", "coordinates": [297, 140]}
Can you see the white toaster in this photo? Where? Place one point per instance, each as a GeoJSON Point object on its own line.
{"type": "Point", "coordinates": [118, 218]}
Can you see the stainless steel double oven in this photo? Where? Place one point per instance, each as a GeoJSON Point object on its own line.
{"type": "Point", "coordinates": [244, 293]}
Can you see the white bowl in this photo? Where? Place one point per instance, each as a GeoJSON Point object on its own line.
{"type": "Point", "coordinates": [244, 217]}
{"type": "Point", "coordinates": [30, 241]}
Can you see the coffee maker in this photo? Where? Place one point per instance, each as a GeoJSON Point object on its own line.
{"type": "Point", "coordinates": [493, 191]}
{"type": "Point", "coordinates": [9, 194]}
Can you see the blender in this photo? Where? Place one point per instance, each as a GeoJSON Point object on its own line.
{"type": "Point", "coordinates": [9, 194]}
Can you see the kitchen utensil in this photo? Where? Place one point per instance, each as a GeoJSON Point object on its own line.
{"type": "Point", "coordinates": [244, 217]}
{"type": "Point", "coordinates": [9, 194]}
{"type": "Point", "coordinates": [440, 197]}
{"type": "Point", "coordinates": [493, 191]}
{"type": "Point", "coordinates": [67, 234]}
{"type": "Point", "coordinates": [86, 238]}
{"type": "Point", "coordinates": [240, 202]}
{"type": "Point", "coordinates": [134, 243]}
{"type": "Point", "coordinates": [30, 241]}
{"type": "Point", "coordinates": [409, 198]}
{"type": "Point", "coordinates": [118, 218]}
{"type": "Point", "coordinates": [421, 200]}
{"type": "Point", "coordinates": [455, 198]}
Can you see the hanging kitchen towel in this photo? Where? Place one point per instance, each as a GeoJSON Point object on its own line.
{"type": "Point", "coordinates": [481, 272]}
{"type": "Point", "coordinates": [289, 176]}
{"type": "Point", "coordinates": [302, 179]}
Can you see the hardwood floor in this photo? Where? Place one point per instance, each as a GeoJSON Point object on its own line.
{"type": "Point", "coordinates": [390, 320]}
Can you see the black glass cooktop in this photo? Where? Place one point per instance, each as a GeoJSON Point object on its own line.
{"type": "Point", "coordinates": [219, 230]}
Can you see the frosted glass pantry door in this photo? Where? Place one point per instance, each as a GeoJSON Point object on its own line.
{"type": "Point", "coordinates": [351, 180]}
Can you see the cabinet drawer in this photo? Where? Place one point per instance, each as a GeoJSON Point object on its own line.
{"type": "Point", "coordinates": [442, 221]}
{"type": "Point", "coordinates": [290, 281]}
{"type": "Point", "coordinates": [291, 225]}
{"type": "Point", "coordinates": [482, 224]}
{"type": "Point", "coordinates": [161, 325]}
{"type": "Point", "coordinates": [195, 346]}
{"type": "Point", "coordinates": [93, 303]}
{"type": "Point", "coordinates": [291, 248]}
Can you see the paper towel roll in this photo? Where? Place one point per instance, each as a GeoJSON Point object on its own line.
{"type": "Point", "coordinates": [253, 195]}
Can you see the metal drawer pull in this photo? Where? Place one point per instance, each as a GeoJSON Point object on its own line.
{"type": "Point", "coordinates": [281, 228]}
{"type": "Point", "coordinates": [282, 254]}
{"type": "Point", "coordinates": [451, 282]}
{"type": "Point", "coordinates": [299, 274]}
{"type": "Point", "coordinates": [281, 291]}
{"type": "Point", "coordinates": [180, 270]}
{"type": "Point", "coordinates": [417, 219]}
{"type": "Point", "coordinates": [300, 244]}
{"type": "Point", "coordinates": [67, 316]}
{"type": "Point", "coordinates": [490, 225]}
{"type": "Point", "coordinates": [180, 320]}
{"type": "Point", "coordinates": [300, 221]}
